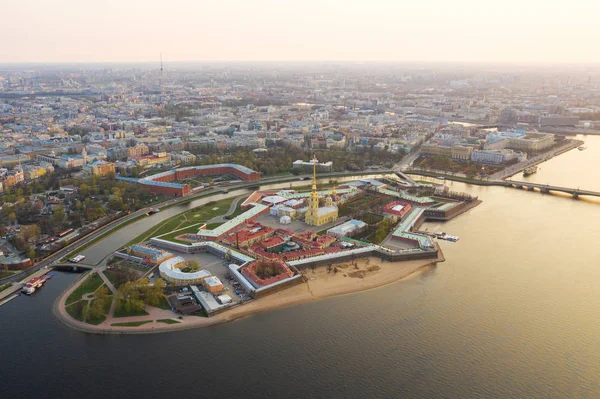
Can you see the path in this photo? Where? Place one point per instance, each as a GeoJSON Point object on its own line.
{"type": "Point", "coordinates": [110, 285]}
{"type": "Point", "coordinates": [232, 207]}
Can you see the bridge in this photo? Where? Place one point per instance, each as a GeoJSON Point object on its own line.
{"type": "Point", "coordinates": [546, 189]}
{"type": "Point", "coordinates": [543, 188]}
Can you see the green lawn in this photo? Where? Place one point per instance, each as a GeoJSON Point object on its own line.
{"type": "Point", "coordinates": [100, 319]}
{"type": "Point", "coordinates": [131, 323]}
{"type": "Point", "coordinates": [207, 211]}
{"type": "Point", "coordinates": [191, 229]}
{"type": "Point", "coordinates": [5, 286]}
{"type": "Point", "coordinates": [120, 311]}
{"type": "Point", "coordinates": [212, 226]}
{"type": "Point", "coordinates": [5, 274]}
{"type": "Point", "coordinates": [167, 321]}
{"type": "Point", "coordinates": [163, 304]}
{"type": "Point", "coordinates": [75, 310]}
{"type": "Point", "coordinates": [113, 276]}
{"type": "Point", "coordinates": [91, 284]}
{"type": "Point", "coordinates": [190, 221]}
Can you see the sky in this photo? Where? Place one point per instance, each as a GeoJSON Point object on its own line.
{"type": "Point", "coordinates": [508, 31]}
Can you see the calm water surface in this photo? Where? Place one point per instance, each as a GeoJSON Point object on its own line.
{"type": "Point", "coordinates": [512, 313]}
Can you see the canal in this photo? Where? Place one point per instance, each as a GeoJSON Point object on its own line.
{"type": "Point", "coordinates": [512, 313]}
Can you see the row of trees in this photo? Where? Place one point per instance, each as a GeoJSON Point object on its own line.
{"type": "Point", "coordinates": [279, 159]}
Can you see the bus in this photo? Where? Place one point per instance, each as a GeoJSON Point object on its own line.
{"type": "Point", "coordinates": [64, 233]}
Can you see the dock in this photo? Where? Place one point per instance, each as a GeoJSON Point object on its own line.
{"type": "Point", "coordinates": [8, 292]}
{"type": "Point", "coordinates": [7, 300]}
{"type": "Point", "coordinates": [17, 286]}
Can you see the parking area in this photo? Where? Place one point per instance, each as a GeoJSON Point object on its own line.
{"type": "Point", "coordinates": [218, 267]}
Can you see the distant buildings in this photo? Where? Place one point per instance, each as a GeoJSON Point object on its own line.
{"type": "Point", "coordinates": [497, 157]}
{"type": "Point", "coordinates": [520, 141]}
{"type": "Point", "coordinates": [308, 166]}
{"type": "Point", "coordinates": [456, 152]}
{"type": "Point", "coordinates": [558, 120]}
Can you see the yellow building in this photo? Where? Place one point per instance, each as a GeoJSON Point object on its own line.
{"type": "Point", "coordinates": [316, 216]}
{"type": "Point", "coordinates": [102, 168]}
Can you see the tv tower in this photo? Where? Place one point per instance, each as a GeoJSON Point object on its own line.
{"type": "Point", "coordinates": [162, 83]}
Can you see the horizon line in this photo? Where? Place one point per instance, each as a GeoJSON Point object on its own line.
{"type": "Point", "coordinates": [472, 62]}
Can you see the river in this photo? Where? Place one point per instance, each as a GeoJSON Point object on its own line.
{"type": "Point", "coordinates": [512, 313]}
{"type": "Point", "coordinates": [572, 169]}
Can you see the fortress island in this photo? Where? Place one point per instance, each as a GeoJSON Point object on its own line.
{"type": "Point", "coordinates": [273, 248]}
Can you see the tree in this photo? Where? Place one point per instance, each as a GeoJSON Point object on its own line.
{"type": "Point", "coordinates": [30, 232]}
{"type": "Point", "coordinates": [84, 190]}
{"type": "Point", "coordinates": [59, 215]}
{"type": "Point", "coordinates": [95, 310]}
{"type": "Point", "coordinates": [192, 265]}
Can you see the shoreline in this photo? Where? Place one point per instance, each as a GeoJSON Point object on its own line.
{"type": "Point", "coordinates": [319, 285]}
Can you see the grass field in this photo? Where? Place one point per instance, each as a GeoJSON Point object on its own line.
{"type": "Point", "coordinates": [5, 274]}
{"type": "Point", "coordinates": [190, 221]}
{"type": "Point", "coordinates": [120, 311]}
{"type": "Point", "coordinates": [167, 321]}
{"type": "Point", "coordinates": [75, 310]}
{"type": "Point", "coordinates": [101, 319]}
{"type": "Point", "coordinates": [163, 304]}
{"type": "Point", "coordinates": [131, 323]}
{"type": "Point", "coordinates": [91, 284]}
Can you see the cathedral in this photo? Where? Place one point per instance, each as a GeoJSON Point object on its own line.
{"type": "Point", "coordinates": [316, 216]}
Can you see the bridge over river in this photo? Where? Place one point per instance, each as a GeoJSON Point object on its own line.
{"type": "Point", "coordinates": [546, 188]}
{"type": "Point", "coordinates": [543, 188]}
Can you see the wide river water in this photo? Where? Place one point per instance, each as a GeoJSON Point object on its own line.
{"type": "Point", "coordinates": [512, 313]}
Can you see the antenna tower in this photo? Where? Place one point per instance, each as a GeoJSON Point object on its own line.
{"type": "Point", "coordinates": [162, 82]}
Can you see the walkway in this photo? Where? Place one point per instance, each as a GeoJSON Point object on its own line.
{"type": "Point", "coordinates": [232, 207]}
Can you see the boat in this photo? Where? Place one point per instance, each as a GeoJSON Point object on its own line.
{"type": "Point", "coordinates": [530, 170]}
{"type": "Point", "coordinates": [451, 238]}
{"type": "Point", "coordinates": [77, 258]}
{"type": "Point", "coordinates": [32, 285]}
{"type": "Point", "coordinates": [581, 148]}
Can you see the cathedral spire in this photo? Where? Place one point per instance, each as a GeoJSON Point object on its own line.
{"type": "Point", "coordinates": [314, 186]}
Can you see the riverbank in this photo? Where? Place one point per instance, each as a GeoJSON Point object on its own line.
{"type": "Point", "coordinates": [503, 174]}
{"type": "Point", "coordinates": [369, 273]}
{"type": "Point", "coordinates": [518, 168]}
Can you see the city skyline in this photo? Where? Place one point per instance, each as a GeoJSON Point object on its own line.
{"type": "Point", "coordinates": [266, 30]}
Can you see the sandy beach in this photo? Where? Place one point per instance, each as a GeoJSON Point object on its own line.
{"type": "Point", "coordinates": [367, 273]}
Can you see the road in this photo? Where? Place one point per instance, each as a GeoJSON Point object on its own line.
{"type": "Point", "coordinates": [407, 161]}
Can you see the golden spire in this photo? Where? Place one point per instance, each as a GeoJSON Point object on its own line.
{"type": "Point", "coordinates": [314, 186]}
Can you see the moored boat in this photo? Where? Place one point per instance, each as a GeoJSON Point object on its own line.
{"type": "Point", "coordinates": [32, 285]}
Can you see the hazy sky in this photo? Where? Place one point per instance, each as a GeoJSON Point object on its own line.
{"type": "Point", "coordinates": [253, 30]}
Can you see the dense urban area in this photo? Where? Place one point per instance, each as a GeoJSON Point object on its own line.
{"type": "Point", "coordinates": [84, 147]}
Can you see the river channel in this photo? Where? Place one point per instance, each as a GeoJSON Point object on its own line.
{"type": "Point", "coordinates": [512, 313]}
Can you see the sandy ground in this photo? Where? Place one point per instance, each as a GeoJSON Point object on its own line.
{"type": "Point", "coordinates": [367, 274]}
